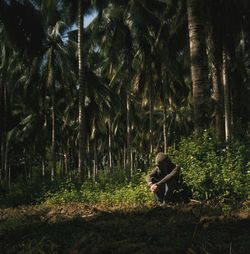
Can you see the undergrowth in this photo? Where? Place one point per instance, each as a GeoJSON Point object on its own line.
{"type": "Point", "coordinates": [214, 172]}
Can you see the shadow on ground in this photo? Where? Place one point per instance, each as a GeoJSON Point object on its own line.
{"type": "Point", "coordinates": [182, 229]}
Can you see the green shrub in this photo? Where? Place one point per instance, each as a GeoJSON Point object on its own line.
{"type": "Point", "coordinates": [212, 170]}
{"type": "Point", "coordinates": [106, 191]}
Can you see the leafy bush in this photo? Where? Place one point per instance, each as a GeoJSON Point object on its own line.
{"type": "Point", "coordinates": [106, 191]}
{"type": "Point", "coordinates": [212, 170]}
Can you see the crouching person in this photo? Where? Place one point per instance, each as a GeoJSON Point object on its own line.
{"type": "Point", "coordinates": [164, 180]}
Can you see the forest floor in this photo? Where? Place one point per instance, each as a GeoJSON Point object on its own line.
{"type": "Point", "coordinates": [79, 228]}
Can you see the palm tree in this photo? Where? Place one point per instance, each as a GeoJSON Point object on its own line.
{"type": "Point", "coordinates": [225, 38]}
{"type": "Point", "coordinates": [56, 49]}
{"type": "Point", "coordinates": [3, 107]}
{"type": "Point", "coordinates": [199, 67]}
{"type": "Point", "coordinates": [123, 55]}
{"type": "Point", "coordinates": [82, 89]}
{"type": "Point", "coordinates": [216, 71]}
{"type": "Point", "coordinates": [141, 37]}
{"type": "Point", "coordinates": [54, 53]}
{"type": "Point", "coordinates": [82, 7]}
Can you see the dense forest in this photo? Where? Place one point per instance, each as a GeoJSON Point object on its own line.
{"type": "Point", "coordinates": [136, 80]}
{"type": "Point", "coordinates": [85, 109]}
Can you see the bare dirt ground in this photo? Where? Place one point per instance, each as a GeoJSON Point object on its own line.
{"type": "Point", "coordinates": [79, 228]}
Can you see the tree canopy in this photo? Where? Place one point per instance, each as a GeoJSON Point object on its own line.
{"type": "Point", "coordinates": [139, 77]}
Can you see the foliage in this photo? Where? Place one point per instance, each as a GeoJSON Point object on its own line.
{"type": "Point", "coordinates": [22, 193]}
{"type": "Point", "coordinates": [106, 191]}
{"type": "Point", "coordinates": [214, 171]}
{"type": "Point", "coordinates": [140, 45]}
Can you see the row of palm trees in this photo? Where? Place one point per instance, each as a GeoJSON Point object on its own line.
{"type": "Point", "coordinates": [138, 78]}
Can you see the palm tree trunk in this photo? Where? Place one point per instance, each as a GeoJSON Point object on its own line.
{"type": "Point", "coordinates": [5, 136]}
{"type": "Point", "coordinates": [66, 158]}
{"type": "Point", "coordinates": [53, 138]}
{"type": "Point", "coordinates": [165, 131]}
{"type": "Point", "coordinates": [44, 148]}
{"type": "Point", "coordinates": [110, 145]}
{"type": "Point", "coordinates": [227, 108]}
{"type": "Point", "coordinates": [88, 159]}
{"type": "Point", "coordinates": [129, 146]}
{"type": "Point", "coordinates": [2, 128]}
{"type": "Point", "coordinates": [95, 163]}
{"type": "Point", "coordinates": [165, 92]}
{"type": "Point", "coordinates": [51, 81]}
{"type": "Point", "coordinates": [82, 92]}
{"type": "Point", "coordinates": [124, 152]}
{"type": "Point", "coordinates": [199, 68]}
{"type": "Point", "coordinates": [9, 176]}
{"type": "Point", "coordinates": [236, 86]}
{"type": "Point", "coordinates": [151, 111]}
{"type": "Point", "coordinates": [6, 163]}
{"type": "Point", "coordinates": [62, 165]}
{"type": "Point", "coordinates": [2, 161]}
{"type": "Point", "coordinates": [217, 96]}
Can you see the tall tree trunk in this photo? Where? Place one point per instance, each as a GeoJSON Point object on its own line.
{"type": "Point", "coordinates": [82, 93]}
{"type": "Point", "coordinates": [2, 128]}
{"type": "Point", "coordinates": [151, 120]}
{"type": "Point", "coordinates": [110, 144]}
{"type": "Point", "coordinates": [66, 157]}
{"type": "Point", "coordinates": [227, 108]}
{"type": "Point", "coordinates": [5, 135]}
{"type": "Point", "coordinates": [88, 159]}
{"type": "Point", "coordinates": [7, 163]}
{"type": "Point", "coordinates": [165, 130]}
{"type": "Point", "coordinates": [62, 165]}
{"type": "Point", "coordinates": [216, 71]}
{"type": "Point", "coordinates": [9, 176]}
{"type": "Point", "coordinates": [51, 81]}
{"type": "Point", "coordinates": [53, 137]}
{"type": "Point", "coordinates": [129, 146]}
{"type": "Point", "coordinates": [125, 157]}
{"type": "Point", "coordinates": [165, 92]}
{"type": "Point", "coordinates": [44, 156]}
{"type": "Point", "coordinates": [236, 89]}
{"type": "Point", "coordinates": [199, 67]}
{"type": "Point", "coordinates": [95, 162]}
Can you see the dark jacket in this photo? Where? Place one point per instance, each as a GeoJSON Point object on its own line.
{"type": "Point", "coordinates": [169, 174]}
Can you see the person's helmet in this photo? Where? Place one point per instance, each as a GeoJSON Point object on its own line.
{"type": "Point", "coordinates": [161, 157]}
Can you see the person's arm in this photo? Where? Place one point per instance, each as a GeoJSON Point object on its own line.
{"type": "Point", "coordinates": [150, 177]}
{"type": "Point", "coordinates": [169, 176]}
